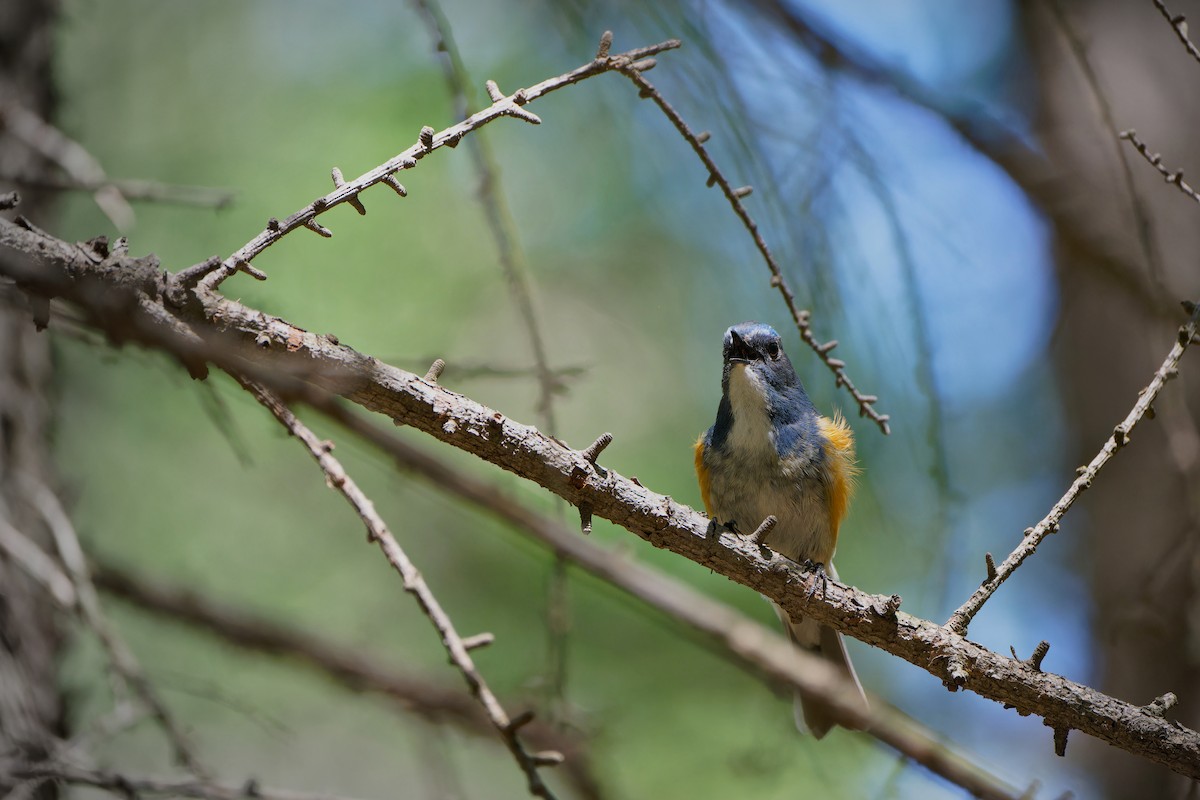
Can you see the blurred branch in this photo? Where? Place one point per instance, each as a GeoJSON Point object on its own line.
{"type": "Point", "coordinates": [1179, 25]}
{"type": "Point", "coordinates": [515, 267]}
{"type": "Point", "coordinates": [414, 583]}
{"type": "Point", "coordinates": [481, 370]}
{"type": "Point", "coordinates": [1141, 216]}
{"type": "Point", "coordinates": [348, 191]}
{"type": "Point", "coordinates": [275, 351]}
{"type": "Point", "coordinates": [128, 786]}
{"type": "Point", "coordinates": [499, 218]}
{"type": "Point", "coordinates": [961, 619]}
{"type": "Point", "coordinates": [39, 566]}
{"type": "Point", "coordinates": [1155, 160]}
{"type": "Point", "coordinates": [120, 657]}
{"type": "Point", "coordinates": [70, 156]}
{"type": "Point", "coordinates": [339, 661]}
{"type": "Point", "coordinates": [801, 318]}
{"type": "Point", "coordinates": [150, 191]}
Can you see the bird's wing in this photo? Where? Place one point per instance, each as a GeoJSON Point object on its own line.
{"type": "Point", "coordinates": [702, 474]}
{"type": "Point", "coordinates": [839, 455]}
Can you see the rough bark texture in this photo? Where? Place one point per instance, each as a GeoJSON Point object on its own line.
{"type": "Point", "coordinates": [1141, 536]}
{"type": "Point", "coordinates": [30, 705]}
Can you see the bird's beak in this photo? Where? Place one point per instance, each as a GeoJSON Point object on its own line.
{"type": "Point", "coordinates": [739, 351]}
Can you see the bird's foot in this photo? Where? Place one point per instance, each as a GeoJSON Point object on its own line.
{"type": "Point", "coordinates": [819, 579]}
{"type": "Point", "coordinates": [715, 529]}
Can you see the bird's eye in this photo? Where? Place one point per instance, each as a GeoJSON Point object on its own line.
{"type": "Point", "coordinates": [773, 350]}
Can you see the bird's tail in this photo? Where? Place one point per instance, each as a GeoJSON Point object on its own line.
{"type": "Point", "coordinates": [812, 714]}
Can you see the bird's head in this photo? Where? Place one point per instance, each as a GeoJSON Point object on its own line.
{"type": "Point", "coordinates": [754, 356]}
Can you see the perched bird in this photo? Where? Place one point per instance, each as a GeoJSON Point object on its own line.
{"type": "Point", "coordinates": [771, 453]}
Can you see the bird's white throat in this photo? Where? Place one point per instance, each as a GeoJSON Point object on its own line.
{"type": "Point", "coordinates": [751, 432]}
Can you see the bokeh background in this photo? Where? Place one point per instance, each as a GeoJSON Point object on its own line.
{"type": "Point", "coordinates": [946, 194]}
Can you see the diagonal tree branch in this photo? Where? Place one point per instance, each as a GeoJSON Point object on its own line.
{"type": "Point", "coordinates": [458, 647]}
{"type": "Point", "coordinates": [1155, 160]}
{"type": "Point", "coordinates": [274, 346]}
{"type": "Point", "coordinates": [1179, 25]}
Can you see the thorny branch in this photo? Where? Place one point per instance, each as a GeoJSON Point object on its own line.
{"type": "Point", "coordinates": [1178, 24]}
{"type": "Point", "coordinates": [348, 191]}
{"type": "Point", "coordinates": [273, 346]}
{"type": "Point", "coordinates": [801, 317]}
{"type": "Point", "coordinates": [414, 583]}
{"type": "Point", "coordinates": [137, 322]}
{"type": "Point", "coordinates": [1155, 160]}
{"type": "Point", "coordinates": [961, 619]}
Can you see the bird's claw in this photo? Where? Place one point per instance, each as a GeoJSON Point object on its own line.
{"type": "Point", "coordinates": [819, 579]}
{"type": "Point", "coordinates": [715, 528]}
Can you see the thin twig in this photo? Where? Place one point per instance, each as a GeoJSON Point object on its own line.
{"type": "Point", "coordinates": [1179, 25]}
{"type": "Point", "coordinates": [801, 317]}
{"type": "Point", "coordinates": [414, 583]}
{"type": "Point", "coordinates": [1155, 160]}
{"type": "Point", "coordinates": [120, 656]}
{"type": "Point", "coordinates": [961, 619]}
{"type": "Point", "coordinates": [506, 106]}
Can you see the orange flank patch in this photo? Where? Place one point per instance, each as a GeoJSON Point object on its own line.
{"type": "Point", "coordinates": [839, 454]}
{"type": "Point", "coordinates": [702, 475]}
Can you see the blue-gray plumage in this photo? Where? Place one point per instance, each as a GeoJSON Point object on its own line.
{"type": "Point", "coordinates": [770, 453]}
